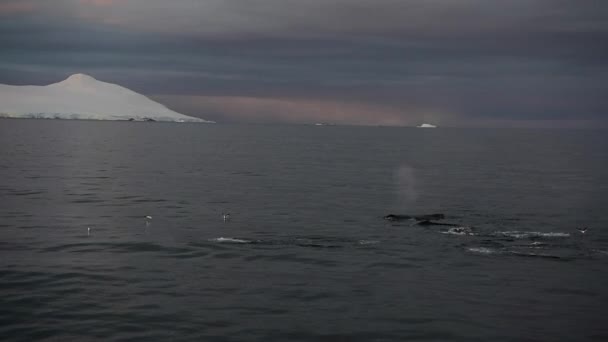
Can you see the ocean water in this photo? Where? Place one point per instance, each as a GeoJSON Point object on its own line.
{"type": "Point", "coordinates": [306, 254]}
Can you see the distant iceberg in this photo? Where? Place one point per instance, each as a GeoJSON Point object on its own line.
{"type": "Point", "coordinates": [425, 125]}
{"type": "Point", "coordinates": [82, 97]}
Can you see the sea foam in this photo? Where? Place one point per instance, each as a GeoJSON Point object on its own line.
{"type": "Point", "coordinates": [229, 240]}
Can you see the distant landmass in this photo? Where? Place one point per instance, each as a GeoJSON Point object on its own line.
{"type": "Point", "coordinates": [425, 125]}
{"type": "Point", "coordinates": [81, 97]}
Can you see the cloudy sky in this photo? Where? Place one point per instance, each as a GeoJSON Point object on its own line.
{"type": "Point", "coordinates": [499, 63]}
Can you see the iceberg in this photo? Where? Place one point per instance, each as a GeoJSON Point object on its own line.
{"type": "Point", "coordinates": [425, 125]}
{"type": "Point", "coordinates": [82, 97]}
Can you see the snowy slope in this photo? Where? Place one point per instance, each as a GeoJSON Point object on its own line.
{"type": "Point", "coordinates": [83, 97]}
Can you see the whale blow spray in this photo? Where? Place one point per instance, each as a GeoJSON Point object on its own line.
{"type": "Point", "coordinates": [405, 179]}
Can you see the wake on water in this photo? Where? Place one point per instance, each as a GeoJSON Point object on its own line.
{"type": "Point", "coordinates": [499, 246]}
{"type": "Point", "coordinates": [481, 250]}
{"type": "Point", "coordinates": [526, 235]}
{"type": "Point", "coordinates": [302, 242]}
{"type": "Point", "coordinates": [502, 242]}
{"type": "Point", "coordinates": [461, 231]}
{"type": "Point", "coordinates": [229, 240]}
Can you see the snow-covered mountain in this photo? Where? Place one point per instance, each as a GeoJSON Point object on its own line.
{"type": "Point", "coordinates": [426, 125]}
{"type": "Point", "coordinates": [83, 97]}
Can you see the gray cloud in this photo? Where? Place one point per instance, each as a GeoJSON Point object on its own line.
{"type": "Point", "coordinates": [387, 61]}
{"type": "Point", "coordinates": [319, 17]}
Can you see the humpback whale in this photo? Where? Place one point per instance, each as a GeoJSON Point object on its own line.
{"type": "Point", "coordinates": [431, 223]}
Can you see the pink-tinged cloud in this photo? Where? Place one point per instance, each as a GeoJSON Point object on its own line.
{"type": "Point", "coordinates": [300, 111]}
{"type": "Point", "coordinates": [15, 7]}
{"type": "Point", "coordinates": [251, 109]}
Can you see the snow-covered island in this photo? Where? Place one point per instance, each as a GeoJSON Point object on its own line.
{"type": "Point", "coordinates": [425, 125]}
{"type": "Point", "coordinates": [81, 97]}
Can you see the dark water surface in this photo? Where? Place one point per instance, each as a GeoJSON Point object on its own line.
{"type": "Point", "coordinates": [306, 255]}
